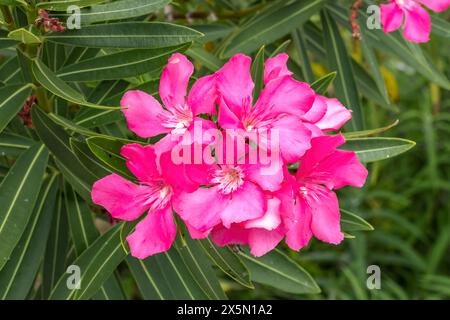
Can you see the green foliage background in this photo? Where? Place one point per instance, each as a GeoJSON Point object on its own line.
{"type": "Point", "coordinates": [399, 221]}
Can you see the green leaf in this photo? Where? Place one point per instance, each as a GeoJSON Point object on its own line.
{"type": "Point", "coordinates": [227, 261]}
{"type": "Point", "coordinates": [6, 42]}
{"type": "Point", "coordinates": [209, 60]}
{"type": "Point", "coordinates": [117, 10]}
{"type": "Point", "coordinates": [84, 233]}
{"type": "Point", "coordinates": [321, 85]}
{"type": "Point", "coordinates": [135, 35]}
{"type": "Point", "coordinates": [119, 65]}
{"type": "Point", "coordinates": [108, 151]}
{"type": "Point", "coordinates": [52, 83]}
{"type": "Point", "coordinates": [300, 44]}
{"type": "Point", "coordinates": [395, 44]}
{"type": "Point", "coordinates": [279, 271]}
{"type": "Point", "coordinates": [257, 71]}
{"type": "Point", "coordinates": [339, 61]}
{"type": "Point", "coordinates": [19, 273]}
{"type": "Point", "coordinates": [375, 149]}
{"type": "Point", "coordinates": [372, 132]}
{"type": "Point", "coordinates": [12, 99]}
{"type": "Point", "coordinates": [149, 279]}
{"type": "Point", "coordinates": [25, 36]}
{"type": "Point", "coordinates": [56, 251]}
{"type": "Point", "coordinates": [62, 5]}
{"type": "Point", "coordinates": [200, 267]}
{"type": "Point", "coordinates": [352, 222]}
{"type": "Point", "coordinates": [18, 193]}
{"type": "Point", "coordinates": [97, 263]}
{"type": "Point", "coordinates": [58, 142]}
{"type": "Point", "coordinates": [440, 26]}
{"type": "Point", "coordinates": [13, 145]}
{"type": "Point", "coordinates": [85, 155]}
{"type": "Point", "coordinates": [364, 81]}
{"type": "Point", "coordinates": [10, 71]}
{"type": "Point", "coordinates": [270, 27]}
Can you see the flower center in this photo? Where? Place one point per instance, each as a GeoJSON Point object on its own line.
{"type": "Point", "coordinates": [228, 179]}
{"type": "Point", "coordinates": [157, 195]}
{"type": "Point", "coordinates": [180, 119]}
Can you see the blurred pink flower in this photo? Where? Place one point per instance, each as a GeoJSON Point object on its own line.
{"type": "Point", "coordinates": [415, 19]}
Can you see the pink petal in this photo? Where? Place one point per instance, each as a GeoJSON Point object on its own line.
{"type": "Point", "coordinates": [294, 137]}
{"type": "Point", "coordinates": [335, 117]}
{"type": "Point", "coordinates": [196, 234]}
{"type": "Point", "coordinates": [268, 177]}
{"type": "Point", "coordinates": [285, 95]}
{"type": "Point", "coordinates": [417, 25]}
{"type": "Point", "coordinates": [436, 5]}
{"type": "Point", "coordinates": [326, 216]}
{"type": "Point", "coordinates": [323, 164]}
{"type": "Point", "coordinates": [297, 221]}
{"type": "Point", "coordinates": [271, 219]}
{"type": "Point", "coordinates": [199, 209]}
{"type": "Point", "coordinates": [276, 67]}
{"type": "Point", "coordinates": [235, 84]}
{"type": "Point", "coordinates": [246, 203]}
{"type": "Point", "coordinates": [174, 81]}
{"type": "Point", "coordinates": [227, 118]}
{"type": "Point", "coordinates": [203, 95]}
{"type": "Point", "coordinates": [225, 236]}
{"type": "Point", "coordinates": [120, 197]}
{"type": "Point", "coordinates": [154, 234]}
{"type": "Point", "coordinates": [317, 111]}
{"type": "Point", "coordinates": [143, 113]}
{"type": "Point", "coordinates": [391, 17]}
{"type": "Point", "coordinates": [180, 176]}
{"type": "Point", "coordinates": [141, 161]}
{"type": "Point", "coordinates": [262, 241]}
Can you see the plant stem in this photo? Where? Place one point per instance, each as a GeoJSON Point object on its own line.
{"type": "Point", "coordinates": [42, 99]}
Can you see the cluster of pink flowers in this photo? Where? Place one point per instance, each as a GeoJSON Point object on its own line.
{"type": "Point", "coordinates": [411, 14]}
{"type": "Point", "coordinates": [233, 200]}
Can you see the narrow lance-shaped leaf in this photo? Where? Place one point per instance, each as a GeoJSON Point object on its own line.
{"type": "Point", "coordinates": [338, 60]}
{"type": "Point", "coordinates": [20, 271]}
{"type": "Point", "coordinates": [62, 5]}
{"type": "Point", "coordinates": [322, 84]}
{"type": "Point", "coordinates": [18, 193]}
{"type": "Point", "coordinates": [227, 261]}
{"type": "Point", "coordinates": [12, 99]}
{"type": "Point", "coordinates": [119, 65]}
{"type": "Point", "coordinates": [375, 149]}
{"type": "Point", "coordinates": [270, 27]}
{"type": "Point", "coordinates": [56, 251]}
{"type": "Point", "coordinates": [352, 222]}
{"type": "Point", "coordinates": [199, 266]}
{"type": "Point", "coordinates": [83, 234]}
{"type": "Point", "coordinates": [117, 10]}
{"type": "Point", "coordinates": [58, 141]}
{"type": "Point", "coordinates": [13, 145]}
{"type": "Point", "coordinates": [135, 35]}
{"type": "Point", "coordinates": [279, 271]}
{"type": "Point", "coordinates": [257, 71]}
{"type": "Point", "coordinates": [97, 263]}
{"type": "Point", "coordinates": [58, 87]}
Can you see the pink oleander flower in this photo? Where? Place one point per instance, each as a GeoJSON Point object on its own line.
{"type": "Point", "coordinates": [230, 195]}
{"type": "Point", "coordinates": [314, 208]}
{"type": "Point", "coordinates": [235, 192]}
{"type": "Point", "coordinates": [153, 193]}
{"type": "Point", "coordinates": [415, 19]}
{"type": "Point", "coordinates": [279, 107]}
{"type": "Point", "coordinates": [147, 118]}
